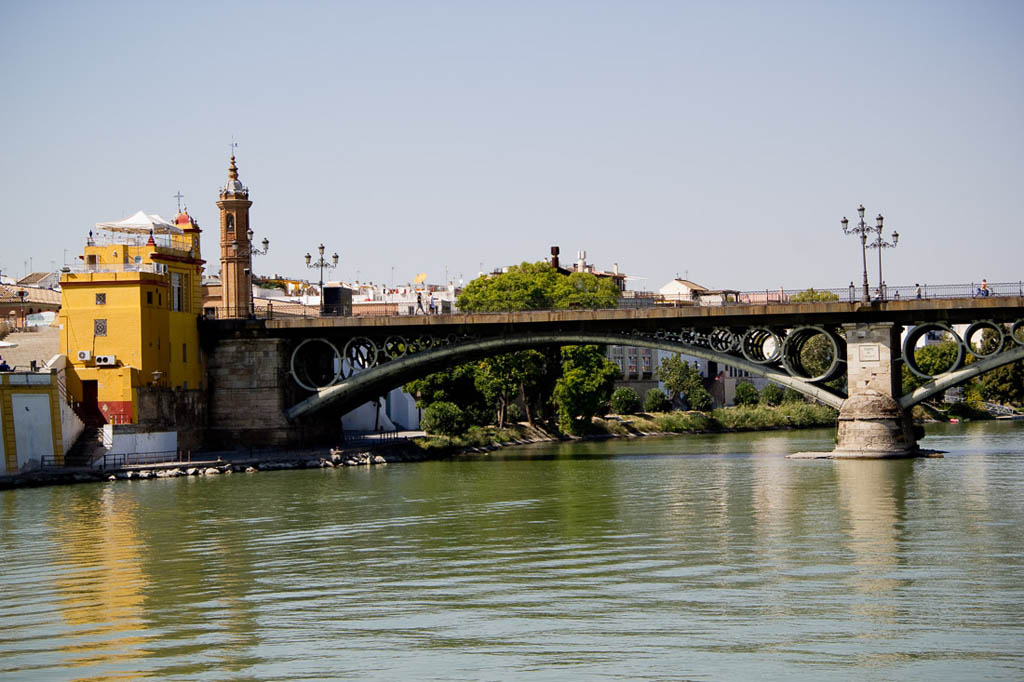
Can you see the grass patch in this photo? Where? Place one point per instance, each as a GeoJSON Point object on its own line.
{"type": "Point", "coordinates": [788, 415]}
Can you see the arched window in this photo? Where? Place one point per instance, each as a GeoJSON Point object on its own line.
{"type": "Point", "coordinates": [230, 222]}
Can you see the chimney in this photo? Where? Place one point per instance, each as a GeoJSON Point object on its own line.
{"type": "Point", "coordinates": [615, 268]}
{"type": "Point", "coordinates": [554, 257]}
{"type": "Point", "coordinates": [581, 262]}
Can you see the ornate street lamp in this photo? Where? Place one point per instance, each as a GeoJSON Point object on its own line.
{"type": "Point", "coordinates": [880, 244]}
{"type": "Point", "coordinates": [248, 252]}
{"type": "Point", "coordinates": [861, 230]}
{"type": "Point", "coordinates": [321, 263]}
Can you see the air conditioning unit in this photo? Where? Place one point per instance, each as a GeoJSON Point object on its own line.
{"type": "Point", "coordinates": [84, 356]}
{"type": "Point", "coordinates": [108, 360]}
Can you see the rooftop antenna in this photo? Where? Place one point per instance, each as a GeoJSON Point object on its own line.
{"type": "Point", "coordinates": [179, 197]}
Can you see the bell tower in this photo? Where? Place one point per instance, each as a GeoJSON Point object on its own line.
{"type": "Point", "coordinates": [235, 247]}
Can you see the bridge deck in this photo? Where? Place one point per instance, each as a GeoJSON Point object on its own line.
{"type": "Point", "coordinates": [1003, 308]}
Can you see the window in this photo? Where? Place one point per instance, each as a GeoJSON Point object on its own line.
{"type": "Point", "coordinates": [176, 292]}
{"type": "Point", "coordinates": [230, 223]}
{"type": "Point", "coordinates": [184, 352]}
{"type": "Point", "coordinates": [149, 298]}
{"type": "Point", "coordinates": [160, 299]}
{"type": "Point", "coordinates": [101, 299]}
{"type": "Point", "coordinates": [99, 327]}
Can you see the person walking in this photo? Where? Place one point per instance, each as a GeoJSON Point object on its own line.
{"type": "Point", "coordinates": [917, 290]}
{"type": "Point", "coordinates": [419, 303]}
{"type": "Point", "coordinates": [983, 290]}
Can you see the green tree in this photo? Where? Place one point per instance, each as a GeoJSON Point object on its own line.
{"type": "Point", "coordinates": [443, 418]}
{"type": "Point", "coordinates": [683, 381]}
{"type": "Point", "coordinates": [655, 400]}
{"type": "Point", "coordinates": [673, 372]}
{"type": "Point", "coordinates": [933, 359]}
{"type": "Point", "coordinates": [811, 295]}
{"type": "Point", "coordinates": [746, 394]}
{"type": "Point", "coordinates": [771, 395]}
{"type": "Point", "coordinates": [528, 286]}
{"type": "Point", "coordinates": [625, 400]}
{"type": "Point", "coordinates": [791, 395]}
{"type": "Point", "coordinates": [585, 385]}
{"type": "Point", "coordinates": [1003, 385]}
{"type": "Point", "coordinates": [455, 385]}
{"type": "Point", "coordinates": [585, 290]}
{"type": "Point", "coordinates": [504, 378]}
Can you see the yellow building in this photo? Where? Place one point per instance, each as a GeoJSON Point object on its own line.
{"type": "Point", "coordinates": [129, 314]}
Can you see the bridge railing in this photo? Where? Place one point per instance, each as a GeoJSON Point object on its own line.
{"type": "Point", "coordinates": [277, 310]}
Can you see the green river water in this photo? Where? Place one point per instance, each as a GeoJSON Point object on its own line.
{"type": "Point", "coordinates": [681, 558]}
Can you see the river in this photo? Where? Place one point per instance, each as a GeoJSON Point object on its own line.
{"type": "Point", "coordinates": [677, 558]}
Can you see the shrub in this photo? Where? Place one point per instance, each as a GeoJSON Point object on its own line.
{"type": "Point", "coordinates": [655, 400]}
{"type": "Point", "coordinates": [681, 422]}
{"type": "Point", "coordinates": [697, 396]}
{"type": "Point", "coordinates": [443, 418]}
{"type": "Point", "coordinates": [791, 395]}
{"type": "Point", "coordinates": [625, 401]}
{"type": "Point", "coordinates": [746, 394]}
{"type": "Point", "coordinates": [771, 395]}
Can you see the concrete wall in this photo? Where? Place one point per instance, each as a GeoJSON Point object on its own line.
{"type": "Point", "coordinates": [181, 411]}
{"type": "Point", "coordinates": [120, 440]}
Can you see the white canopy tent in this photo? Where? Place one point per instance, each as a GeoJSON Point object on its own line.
{"type": "Point", "coordinates": [141, 223]}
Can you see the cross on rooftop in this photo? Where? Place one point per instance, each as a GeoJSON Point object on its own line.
{"type": "Point", "coordinates": [179, 197]}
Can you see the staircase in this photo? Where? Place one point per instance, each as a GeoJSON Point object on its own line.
{"type": "Point", "coordinates": [88, 447]}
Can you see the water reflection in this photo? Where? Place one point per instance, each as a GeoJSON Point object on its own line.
{"type": "Point", "coordinates": [873, 498]}
{"type": "Point", "coordinates": [98, 578]}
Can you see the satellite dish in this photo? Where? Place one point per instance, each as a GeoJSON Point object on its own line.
{"type": "Point", "coordinates": [420, 278]}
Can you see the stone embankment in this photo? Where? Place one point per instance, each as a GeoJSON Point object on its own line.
{"type": "Point", "coordinates": [230, 465]}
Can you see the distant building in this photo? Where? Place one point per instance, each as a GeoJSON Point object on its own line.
{"type": "Point", "coordinates": [41, 280]}
{"type": "Point", "coordinates": [17, 303]}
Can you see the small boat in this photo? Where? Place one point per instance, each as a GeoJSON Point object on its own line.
{"type": "Point", "coordinates": [954, 420]}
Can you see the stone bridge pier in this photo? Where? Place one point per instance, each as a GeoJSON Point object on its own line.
{"type": "Point", "coordinates": [871, 422]}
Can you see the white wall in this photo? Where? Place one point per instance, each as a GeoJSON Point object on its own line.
{"type": "Point", "coordinates": [33, 430]}
{"type": "Point", "coordinates": [123, 442]}
{"type": "Point", "coordinates": [363, 418]}
{"type": "Point", "coordinates": [403, 411]}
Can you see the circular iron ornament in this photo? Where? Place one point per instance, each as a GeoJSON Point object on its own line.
{"type": "Point", "coordinates": [425, 342]}
{"type": "Point", "coordinates": [981, 327]}
{"type": "Point", "coordinates": [792, 351]}
{"type": "Point", "coordinates": [915, 335]}
{"type": "Point", "coordinates": [722, 340]}
{"type": "Point", "coordinates": [451, 339]}
{"type": "Point", "coordinates": [395, 347]}
{"type": "Point", "coordinates": [335, 363]}
{"type": "Point", "coordinates": [1017, 332]}
{"type": "Point", "coordinates": [755, 342]}
{"type": "Point", "coordinates": [360, 353]}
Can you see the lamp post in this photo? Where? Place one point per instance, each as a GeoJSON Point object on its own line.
{"type": "Point", "coordinates": [880, 244]}
{"type": "Point", "coordinates": [250, 251]}
{"type": "Point", "coordinates": [321, 263]}
{"type": "Point", "coordinates": [861, 230]}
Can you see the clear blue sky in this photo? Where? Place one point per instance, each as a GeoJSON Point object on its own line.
{"type": "Point", "coordinates": [720, 139]}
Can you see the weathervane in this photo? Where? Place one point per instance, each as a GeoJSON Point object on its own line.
{"type": "Point", "coordinates": [234, 145]}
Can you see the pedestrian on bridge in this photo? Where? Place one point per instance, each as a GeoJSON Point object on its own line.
{"type": "Point", "coordinates": [917, 290]}
{"type": "Point", "coordinates": [983, 290]}
{"type": "Point", "coordinates": [419, 303]}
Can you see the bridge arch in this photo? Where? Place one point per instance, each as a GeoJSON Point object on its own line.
{"type": "Point", "coordinates": [372, 382]}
